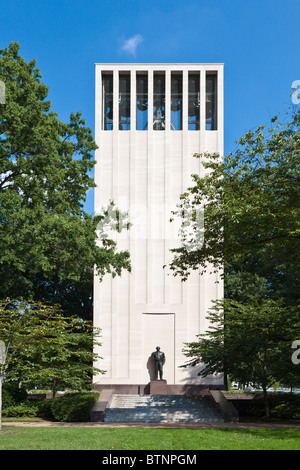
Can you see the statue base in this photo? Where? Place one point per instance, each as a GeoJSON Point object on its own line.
{"type": "Point", "coordinates": [158, 387]}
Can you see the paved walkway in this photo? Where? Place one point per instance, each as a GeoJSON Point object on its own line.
{"type": "Point", "coordinates": [274, 424]}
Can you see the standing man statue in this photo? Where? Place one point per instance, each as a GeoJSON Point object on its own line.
{"type": "Point", "coordinates": [159, 360]}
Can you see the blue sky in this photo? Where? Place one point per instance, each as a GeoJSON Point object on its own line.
{"type": "Point", "coordinates": [258, 41]}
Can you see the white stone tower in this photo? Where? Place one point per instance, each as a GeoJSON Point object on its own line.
{"type": "Point", "coordinates": [150, 120]}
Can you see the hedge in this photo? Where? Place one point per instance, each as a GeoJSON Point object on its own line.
{"type": "Point", "coordinates": [12, 395]}
{"type": "Point", "coordinates": [282, 406]}
{"type": "Point", "coordinates": [70, 407]}
{"type": "Point", "coordinates": [21, 410]}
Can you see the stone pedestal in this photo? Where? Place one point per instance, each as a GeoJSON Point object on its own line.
{"type": "Point", "coordinates": [158, 387]}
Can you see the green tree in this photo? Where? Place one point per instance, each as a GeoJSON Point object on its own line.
{"type": "Point", "coordinates": [46, 349]}
{"type": "Point", "coordinates": [251, 342]}
{"type": "Point", "coordinates": [46, 238]}
{"type": "Point", "coordinates": [251, 205]}
{"type": "Point", "coordinates": [252, 233]}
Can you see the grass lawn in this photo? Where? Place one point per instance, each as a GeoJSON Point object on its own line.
{"type": "Point", "coordinates": [83, 438]}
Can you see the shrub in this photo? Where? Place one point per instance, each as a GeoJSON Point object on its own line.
{"type": "Point", "coordinates": [282, 406]}
{"type": "Point", "coordinates": [25, 409]}
{"type": "Point", "coordinates": [288, 408]}
{"type": "Point", "coordinates": [73, 407]}
{"type": "Point", "coordinates": [12, 395]}
{"type": "Point", "coordinates": [44, 409]}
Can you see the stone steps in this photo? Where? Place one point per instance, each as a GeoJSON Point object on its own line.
{"type": "Point", "coordinates": [161, 409]}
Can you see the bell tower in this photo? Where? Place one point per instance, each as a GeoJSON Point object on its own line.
{"type": "Point", "coordinates": [150, 120]}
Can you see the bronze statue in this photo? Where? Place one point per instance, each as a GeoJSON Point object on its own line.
{"type": "Point", "coordinates": [159, 360]}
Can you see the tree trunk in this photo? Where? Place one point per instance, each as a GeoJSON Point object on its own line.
{"type": "Point", "coordinates": [225, 380]}
{"type": "Point", "coordinates": [54, 388]}
{"type": "Point", "coordinates": [266, 400]}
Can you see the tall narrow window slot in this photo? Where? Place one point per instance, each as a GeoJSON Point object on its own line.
{"type": "Point", "coordinates": [142, 102]}
{"type": "Point", "coordinates": [211, 102]}
{"type": "Point", "coordinates": [107, 101]}
{"type": "Point", "coordinates": [159, 101]}
{"type": "Point", "coordinates": [194, 102]}
{"type": "Point", "coordinates": [176, 101]}
{"type": "Point", "coordinates": [124, 102]}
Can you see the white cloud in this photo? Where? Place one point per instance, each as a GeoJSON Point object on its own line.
{"type": "Point", "coordinates": [130, 45]}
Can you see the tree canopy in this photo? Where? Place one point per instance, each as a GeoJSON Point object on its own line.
{"type": "Point", "coordinates": [46, 349]}
{"type": "Point", "coordinates": [46, 238]}
{"type": "Point", "coordinates": [251, 343]}
{"type": "Point", "coordinates": [251, 204]}
{"type": "Point", "coordinates": [251, 201]}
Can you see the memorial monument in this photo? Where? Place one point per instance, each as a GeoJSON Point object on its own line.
{"type": "Point", "coordinates": [150, 120]}
{"type": "Point", "coordinates": [159, 361]}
